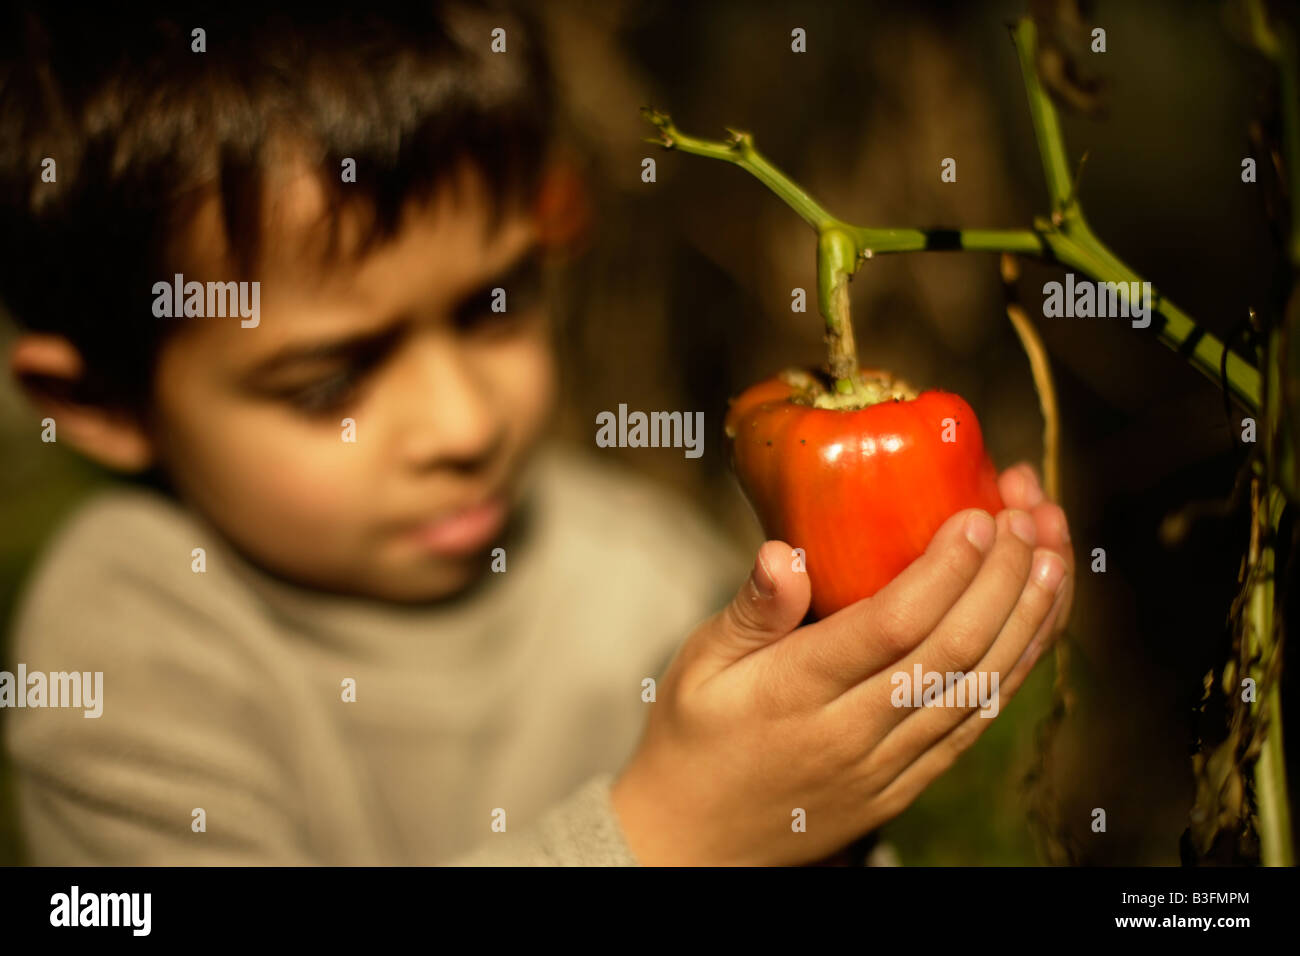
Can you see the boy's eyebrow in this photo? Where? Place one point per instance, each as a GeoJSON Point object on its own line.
{"type": "Point", "coordinates": [367, 343]}
{"type": "Point", "coordinates": [318, 352]}
{"type": "Point", "coordinates": [520, 267]}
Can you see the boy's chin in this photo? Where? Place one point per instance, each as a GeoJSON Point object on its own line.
{"type": "Point", "coordinates": [443, 580]}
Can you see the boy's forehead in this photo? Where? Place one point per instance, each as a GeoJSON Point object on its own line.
{"type": "Point", "coordinates": [442, 250]}
{"type": "Point", "coordinates": [305, 237]}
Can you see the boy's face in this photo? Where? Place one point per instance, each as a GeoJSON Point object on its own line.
{"type": "Point", "coordinates": [448, 397]}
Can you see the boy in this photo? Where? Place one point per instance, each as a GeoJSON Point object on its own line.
{"type": "Point", "coordinates": [359, 609]}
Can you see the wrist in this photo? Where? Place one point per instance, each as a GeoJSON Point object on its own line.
{"type": "Point", "coordinates": [653, 833]}
{"type": "Point", "coordinates": [630, 811]}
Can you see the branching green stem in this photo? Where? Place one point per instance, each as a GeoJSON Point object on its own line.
{"type": "Point", "coordinates": [1064, 237]}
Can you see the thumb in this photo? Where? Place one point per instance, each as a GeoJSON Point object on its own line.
{"type": "Point", "coordinates": [768, 606]}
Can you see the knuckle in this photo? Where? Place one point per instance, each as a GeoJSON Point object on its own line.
{"type": "Point", "coordinates": [960, 650]}
{"type": "Point", "coordinates": [872, 777]}
{"type": "Point", "coordinates": [894, 627]}
{"type": "Point", "coordinates": [1051, 511]}
{"type": "Point", "coordinates": [960, 564]}
{"type": "Point", "coordinates": [1009, 575]}
{"type": "Point", "coordinates": [962, 693]}
{"type": "Point", "coordinates": [740, 617]}
{"type": "Point", "coordinates": [688, 706]}
{"type": "Point", "coordinates": [830, 663]}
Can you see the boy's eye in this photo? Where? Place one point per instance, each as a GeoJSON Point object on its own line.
{"type": "Point", "coordinates": [330, 392]}
{"type": "Point", "coordinates": [522, 296]}
{"type": "Point", "coordinates": [325, 395]}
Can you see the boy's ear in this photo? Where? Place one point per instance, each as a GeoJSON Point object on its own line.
{"type": "Point", "coordinates": [563, 208]}
{"type": "Point", "coordinates": [49, 368]}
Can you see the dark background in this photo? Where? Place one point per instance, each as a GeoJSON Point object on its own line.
{"type": "Point", "coordinates": [683, 299]}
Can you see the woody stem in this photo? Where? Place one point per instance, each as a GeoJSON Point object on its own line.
{"type": "Point", "coordinates": [836, 259]}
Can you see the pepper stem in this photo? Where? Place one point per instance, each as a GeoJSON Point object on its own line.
{"type": "Point", "coordinates": [836, 259]}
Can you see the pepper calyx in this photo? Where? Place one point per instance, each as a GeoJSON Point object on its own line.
{"type": "Point", "coordinates": [868, 387]}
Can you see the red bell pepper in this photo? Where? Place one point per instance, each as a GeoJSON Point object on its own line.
{"type": "Point", "coordinates": [861, 490]}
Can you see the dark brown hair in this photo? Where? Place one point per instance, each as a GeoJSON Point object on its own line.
{"type": "Point", "coordinates": [138, 124]}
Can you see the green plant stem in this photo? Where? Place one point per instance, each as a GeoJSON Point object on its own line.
{"type": "Point", "coordinates": [1271, 802]}
{"type": "Point", "coordinates": [1272, 813]}
{"type": "Point", "coordinates": [1065, 237]}
{"type": "Point", "coordinates": [739, 149]}
{"type": "Point", "coordinates": [1277, 42]}
{"type": "Point", "coordinates": [1047, 125]}
{"type": "Point", "coordinates": [836, 255]}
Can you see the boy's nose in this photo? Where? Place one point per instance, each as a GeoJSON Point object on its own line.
{"type": "Point", "coordinates": [445, 412]}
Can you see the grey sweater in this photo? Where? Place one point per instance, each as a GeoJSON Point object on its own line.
{"type": "Point", "coordinates": [516, 702]}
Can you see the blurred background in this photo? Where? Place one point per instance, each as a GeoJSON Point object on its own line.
{"type": "Point", "coordinates": [682, 299]}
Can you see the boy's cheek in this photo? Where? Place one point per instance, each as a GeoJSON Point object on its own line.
{"type": "Point", "coordinates": [256, 470]}
{"type": "Point", "coordinates": [524, 377]}
{"type": "Point", "coordinates": [305, 509]}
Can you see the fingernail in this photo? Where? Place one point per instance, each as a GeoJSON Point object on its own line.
{"type": "Point", "coordinates": [981, 530]}
{"type": "Point", "coordinates": [764, 583]}
{"type": "Point", "coordinates": [1049, 572]}
{"type": "Point", "coordinates": [1065, 528]}
{"type": "Point", "coordinates": [1022, 526]}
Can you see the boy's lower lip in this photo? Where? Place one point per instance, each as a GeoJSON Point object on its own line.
{"type": "Point", "coordinates": [462, 532]}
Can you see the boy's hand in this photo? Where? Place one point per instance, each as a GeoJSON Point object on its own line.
{"type": "Point", "coordinates": [757, 717]}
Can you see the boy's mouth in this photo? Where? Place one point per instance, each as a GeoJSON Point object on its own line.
{"type": "Point", "coordinates": [461, 532]}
